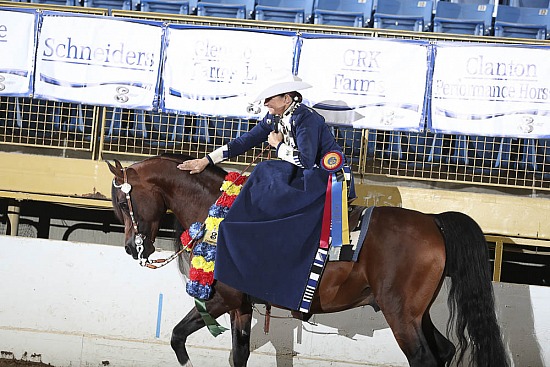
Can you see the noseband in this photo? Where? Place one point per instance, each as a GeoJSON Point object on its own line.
{"type": "Point", "coordinates": [139, 238]}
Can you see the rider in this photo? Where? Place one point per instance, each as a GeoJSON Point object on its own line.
{"type": "Point", "coordinates": [270, 236]}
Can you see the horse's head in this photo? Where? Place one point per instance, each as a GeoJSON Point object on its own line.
{"type": "Point", "coordinates": [138, 204]}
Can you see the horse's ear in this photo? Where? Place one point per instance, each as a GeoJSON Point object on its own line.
{"type": "Point", "coordinates": [117, 171]}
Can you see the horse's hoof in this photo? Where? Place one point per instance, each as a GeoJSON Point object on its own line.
{"type": "Point", "coordinates": [188, 364]}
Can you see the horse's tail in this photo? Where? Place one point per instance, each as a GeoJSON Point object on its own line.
{"type": "Point", "coordinates": [471, 299]}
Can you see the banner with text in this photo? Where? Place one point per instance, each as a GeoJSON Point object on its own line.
{"type": "Point", "coordinates": [366, 83]}
{"type": "Point", "coordinates": [491, 90]}
{"type": "Point", "coordinates": [99, 60]}
{"type": "Point", "coordinates": [17, 45]}
{"type": "Point", "coordinates": [217, 71]}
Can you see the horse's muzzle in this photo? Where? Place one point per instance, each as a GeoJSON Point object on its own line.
{"type": "Point", "coordinates": [129, 251]}
{"type": "Point", "coordinates": [132, 249]}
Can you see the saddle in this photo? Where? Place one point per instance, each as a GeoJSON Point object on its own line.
{"type": "Point", "coordinates": [355, 219]}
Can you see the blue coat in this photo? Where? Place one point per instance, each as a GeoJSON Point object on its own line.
{"type": "Point", "coordinates": [269, 238]}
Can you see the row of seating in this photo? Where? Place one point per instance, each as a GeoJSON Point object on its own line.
{"type": "Point", "coordinates": [45, 119]}
{"type": "Point", "coordinates": [515, 18]}
{"type": "Point", "coordinates": [489, 155]}
{"type": "Point", "coordinates": [484, 154]}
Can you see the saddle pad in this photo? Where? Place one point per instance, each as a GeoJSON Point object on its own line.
{"type": "Point", "coordinates": [351, 252]}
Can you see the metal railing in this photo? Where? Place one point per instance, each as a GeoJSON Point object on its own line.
{"type": "Point", "coordinates": [104, 131]}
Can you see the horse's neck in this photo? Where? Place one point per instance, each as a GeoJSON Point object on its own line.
{"type": "Point", "coordinates": [193, 196]}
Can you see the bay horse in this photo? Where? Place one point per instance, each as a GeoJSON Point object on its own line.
{"type": "Point", "coordinates": [404, 260]}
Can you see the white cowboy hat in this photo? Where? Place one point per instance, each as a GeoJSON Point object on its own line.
{"type": "Point", "coordinates": [289, 83]}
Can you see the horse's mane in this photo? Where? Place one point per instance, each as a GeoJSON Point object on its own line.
{"type": "Point", "coordinates": [184, 259]}
{"type": "Point", "coordinates": [183, 157]}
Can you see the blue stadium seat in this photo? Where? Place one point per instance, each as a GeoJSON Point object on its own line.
{"type": "Point", "coordinates": [356, 13]}
{"type": "Point", "coordinates": [519, 22]}
{"type": "Point", "coordinates": [459, 152]}
{"type": "Point", "coordinates": [528, 160]}
{"type": "Point", "coordinates": [441, 149]}
{"type": "Point", "coordinates": [485, 153]}
{"type": "Point", "coordinates": [530, 3]}
{"type": "Point", "coordinates": [241, 9]}
{"type": "Point", "coordinates": [482, 153]}
{"type": "Point", "coordinates": [518, 154]}
{"type": "Point", "coordinates": [117, 125]}
{"type": "Point", "coordinates": [462, 18]}
{"type": "Point", "coordinates": [291, 11]}
{"type": "Point", "coordinates": [350, 141]}
{"type": "Point", "coordinates": [371, 144]}
{"type": "Point", "coordinates": [475, 2]}
{"type": "Point", "coordinates": [543, 157]}
{"type": "Point", "coordinates": [165, 6]}
{"type": "Point", "coordinates": [155, 129]}
{"type": "Point", "coordinates": [393, 147]}
{"type": "Point", "coordinates": [181, 131]}
{"type": "Point", "coordinates": [410, 15]}
{"type": "Point", "coordinates": [13, 116]}
{"type": "Point", "coordinates": [110, 4]}
{"type": "Point", "coordinates": [71, 117]}
{"type": "Point", "coordinates": [201, 131]}
{"type": "Point", "coordinates": [56, 2]}
{"type": "Point", "coordinates": [417, 148]}
{"type": "Point", "coordinates": [24, 118]}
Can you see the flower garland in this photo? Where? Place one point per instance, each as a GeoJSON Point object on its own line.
{"type": "Point", "coordinates": [201, 239]}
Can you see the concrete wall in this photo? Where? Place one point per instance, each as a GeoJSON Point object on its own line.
{"type": "Point", "coordinates": [75, 304]}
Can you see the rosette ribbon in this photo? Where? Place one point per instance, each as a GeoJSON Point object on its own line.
{"type": "Point", "coordinates": [335, 228]}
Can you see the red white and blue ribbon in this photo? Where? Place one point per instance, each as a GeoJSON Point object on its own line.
{"type": "Point", "coordinates": [334, 229]}
{"type": "Point", "coordinates": [336, 204]}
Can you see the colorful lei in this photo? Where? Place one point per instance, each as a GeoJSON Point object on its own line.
{"type": "Point", "coordinates": [201, 239]}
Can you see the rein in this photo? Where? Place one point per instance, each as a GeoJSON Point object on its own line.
{"type": "Point", "coordinates": [139, 238]}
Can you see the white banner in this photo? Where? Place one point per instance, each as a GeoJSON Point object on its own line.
{"type": "Point", "coordinates": [17, 46]}
{"type": "Point", "coordinates": [366, 83]}
{"type": "Point", "coordinates": [491, 90]}
{"type": "Point", "coordinates": [217, 71]}
{"type": "Point", "coordinates": [99, 61]}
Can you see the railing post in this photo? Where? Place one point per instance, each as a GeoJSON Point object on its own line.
{"type": "Point", "coordinates": [14, 208]}
{"type": "Point", "coordinates": [499, 247]}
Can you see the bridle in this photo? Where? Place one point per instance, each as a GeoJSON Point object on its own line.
{"type": "Point", "coordinates": [139, 238]}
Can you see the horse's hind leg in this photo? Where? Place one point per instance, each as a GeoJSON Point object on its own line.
{"type": "Point", "coordinates": [440, 345]}
{"type": "Point", "coordinates": [412, 341]}
{"type": "Point", "coordinates": [420, 341]}
{"type": "Point", "coordinates": [241, 321]}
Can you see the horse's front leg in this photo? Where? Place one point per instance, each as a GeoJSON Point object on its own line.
{"type": "Point", "coordinates": [190, 323]}
{"type": "Point", "coordinates": [224, 300]}
{"type": "Point", "coordinates": [241, 320]}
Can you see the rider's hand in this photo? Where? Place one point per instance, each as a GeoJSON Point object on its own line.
{"type": "Point", "coordinates": [194, 165]}
{"type": "Point", "coordinates": [274, 139]}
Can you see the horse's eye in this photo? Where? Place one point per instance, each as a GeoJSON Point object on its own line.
{"type": "Point", "coordinates": [123, 205]}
